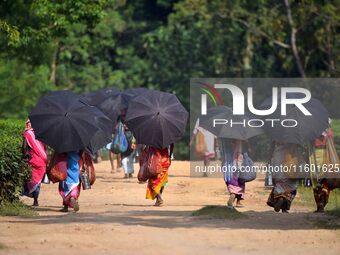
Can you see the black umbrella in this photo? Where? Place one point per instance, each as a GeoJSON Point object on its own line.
{"type": "Point", "coordinates": [105, 100]}
{"type": "Point", "coordinates": [295, 126]}
{"type": "Point", "coordinates": [228, 125]}
{"type": "Point", "coordinates": [104, 134]}
{"type": "Point", "coordinates": [64, 123]}
{"type": "Point", "coordinates": [156, 118]}
{"type": "Point", "coordinates": [129, 94]}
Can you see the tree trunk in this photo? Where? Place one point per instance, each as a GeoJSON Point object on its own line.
{"type": "Point", "coordinates": [293, 40]}
{"type": "Point", "coordinates": [54, 64]}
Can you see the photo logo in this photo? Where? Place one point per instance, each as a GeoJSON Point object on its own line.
{"type": "Point", "coordinates": [239, 99]}
{"type": "Point", "coordinates": [280, 96]}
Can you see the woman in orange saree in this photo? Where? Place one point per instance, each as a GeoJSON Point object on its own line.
{"type": "Point", "coordinates": [157, 183]}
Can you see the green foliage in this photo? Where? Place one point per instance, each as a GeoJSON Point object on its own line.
{"type": "Point", "coordinates": [16, 208]}
{"type": "Point", "coordinates": [13, 169]}
{"type": "Point", "coordinates": [41, 20]}
{"type": "Point", "coordinates": [21, 87]}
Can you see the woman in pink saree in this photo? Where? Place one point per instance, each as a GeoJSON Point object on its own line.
{"type": "Point", "coordinates": [35, 150]}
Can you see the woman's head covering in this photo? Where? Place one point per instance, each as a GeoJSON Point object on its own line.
{"type": "Point", "coordinates": [28, 125]}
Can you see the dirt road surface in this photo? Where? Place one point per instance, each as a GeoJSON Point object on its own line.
{"type": "Point", "coordinates": [115, 218]}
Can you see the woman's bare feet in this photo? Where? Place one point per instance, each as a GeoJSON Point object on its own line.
{"type": "Point", "coordinates": [75, 204]}
{"type": "Point", "coordinates": [231, 200]}
{"type": "Point", "coordinates": [65, 209]}
{"type": "Point", "coordinates": [238, 203]}
{"type": "Point", "coordinates": [159, 201]}
{"type": "Point", "coordinates": [35, 203]}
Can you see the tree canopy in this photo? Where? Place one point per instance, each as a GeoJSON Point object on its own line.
{"type": "Point", "coordinates": [89, 44]}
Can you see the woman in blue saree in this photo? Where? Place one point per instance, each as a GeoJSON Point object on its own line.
{"type": "Point", "coordinates": [69, 189]}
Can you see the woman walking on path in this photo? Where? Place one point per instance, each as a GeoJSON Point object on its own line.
{"type": "Point", "coordinates": [234, 151]}
{"type": "Point", "coordinates": [129, 155]}
{"type": "Point", "coordinates": [157, 183]}
{"type": "Point", "coordinates": [205, 145]}
{"type": "Point", "coordinates": [35, 151]}
{"type": "Point", "coordinates": [285, 183]}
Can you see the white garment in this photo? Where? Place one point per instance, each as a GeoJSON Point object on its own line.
{"type": "Point", "coordinates": [127, 164]}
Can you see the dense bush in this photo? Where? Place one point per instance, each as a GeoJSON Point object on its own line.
{"type": "Point", "coordinates": [13, 169]}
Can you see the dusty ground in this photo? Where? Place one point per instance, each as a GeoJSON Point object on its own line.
{"type": "Point", "coordinates": [115, 218]}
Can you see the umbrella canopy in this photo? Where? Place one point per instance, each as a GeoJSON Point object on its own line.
{"type": "Point", "coordinates": [129, 94]}
{"type": "Point", "coordinates": [236, 131]}
{"type": "Point", "coordinates": [64, 123]}
{"type": "Point", "coordinates": [104, 134]}
{"type": "Point", "coordinates": [105, 100]}
{"type": "Point", "coordinates": [308, 127]}
{"type": "Point", "coordinates": [156, 118]}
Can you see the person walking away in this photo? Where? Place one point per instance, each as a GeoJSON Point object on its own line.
{"type": "Point", "coordinates": [129, 155]}
{"type": "Point", "coordinates": [233, 153]}
{"type": "Point", "coordinates": [322, 155]}
{"type": "Point", "coordinates": [205, 145]}
{"type": "Point", "coordinates": [69, 189]}
{"type": "Point", "coordinates": [157, 183]}
{"type": "Point", "coordinates": [34, 151]}
{"type": "Point", "coordinates": [112, 157]}
{"type": "Point", "coordinates": [285, 184]}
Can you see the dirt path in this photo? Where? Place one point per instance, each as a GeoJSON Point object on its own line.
{"type": "Point", "coordinates": [115, 218]}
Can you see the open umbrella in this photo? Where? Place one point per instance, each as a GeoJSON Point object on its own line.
{"type": "Point", "coordinates": [64, 123]}
{"type": "Point", "coordinates": [129, 94]}
{"type": "Point", "coordinates": [304, 128]}
{"type": "Point", "coordinates": [223, 128]}
{"type": "Point", "coordinates": [156, 118]}
{"type": "Point", "coordinates": [104, 134]}
{"type": "Point", "coordinates": [105, 100]}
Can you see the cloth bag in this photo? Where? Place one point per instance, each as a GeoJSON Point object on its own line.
{"type": "Point", "coordinates": [119, 142]}
{"type": "Point", "coordinates": [57, 168]}
{"type": "Point", "coordinates": [248, 172]}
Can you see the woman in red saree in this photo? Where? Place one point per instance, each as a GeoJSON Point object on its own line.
{"type": "Point", "coordinates": [35, 151]}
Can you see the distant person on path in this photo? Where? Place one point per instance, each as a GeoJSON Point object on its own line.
{"type": "Point", "coordinates": [129, 155]}
{"type": "Point", "coordinates": [112, 157]}
{"type": "Point", "coordinates": [34, 151]}
{"type": "Point", "coordinates": [204, 145]}
{"type": "Point", "coordinates": [285, 184]}
{"type": "Point", "coordinates": [233, 157]}
{"type": "Point", "coordinates": [323, 155]}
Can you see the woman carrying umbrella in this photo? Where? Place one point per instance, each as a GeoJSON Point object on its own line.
{"type": "Point", "coordinates": [286, 149]}
{"type": "Point", "coordinates": [69, 127]}
{"type": "Point", "coordinates": [157, 120]}
{"type": "Point", "coordinates": [36, 153]}
{"type": "Point", "coordinates": [235, 148]}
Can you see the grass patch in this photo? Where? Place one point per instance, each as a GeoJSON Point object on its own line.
{"type": "Point", "coordinates": [306, 198]}
{"type": "Point", "coordinates": [2, 246]}
{"type": "Point", "coordinates": [16, 208]}
{"type": "Point", "coordinates": [218, 212]}
{"type": "Point", "coordinates": [324, 224]}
